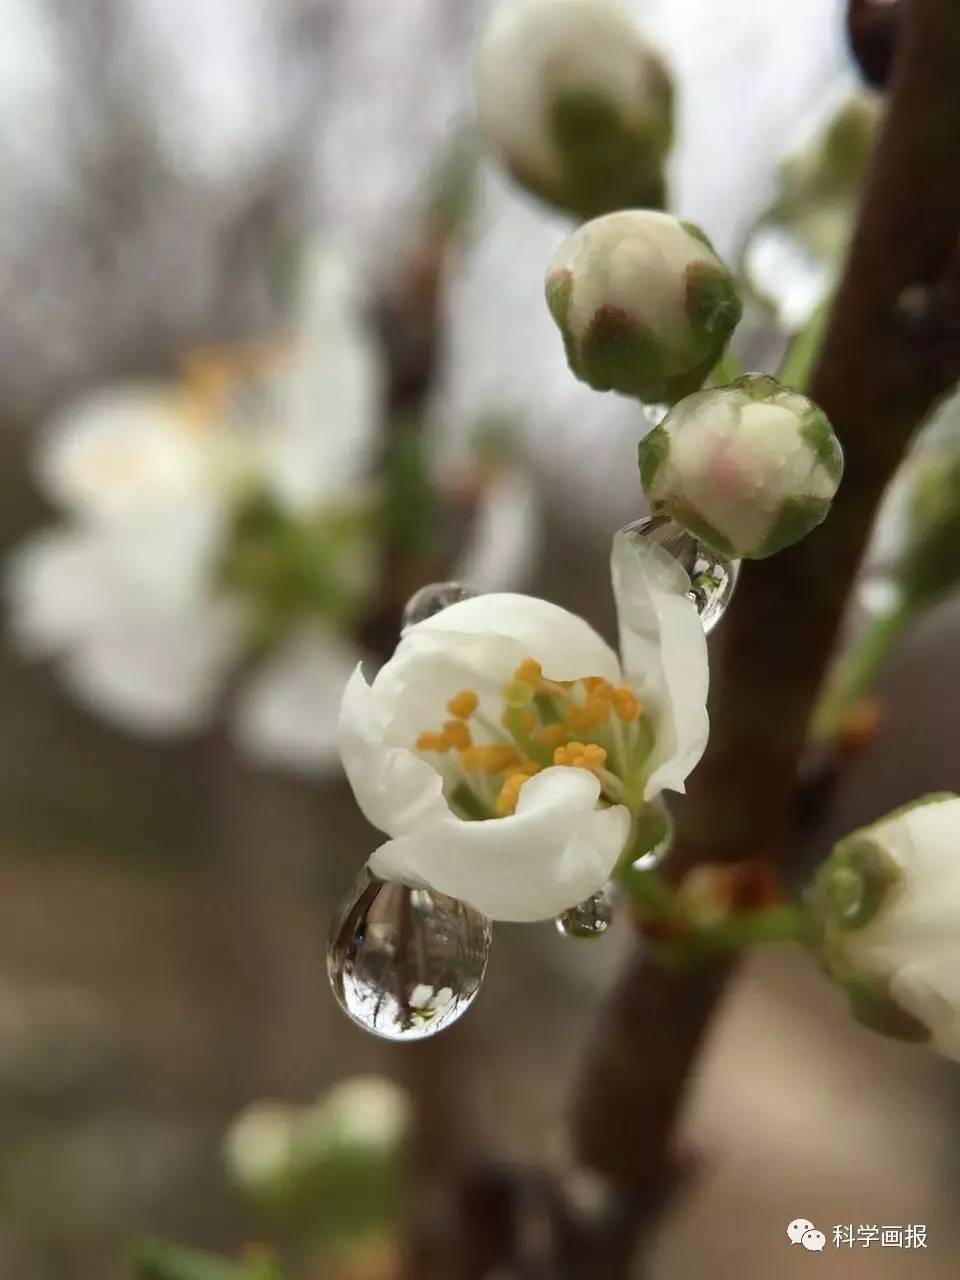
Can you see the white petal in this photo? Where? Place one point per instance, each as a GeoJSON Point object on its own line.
{"type": "Point", "coordinates": [120, 452]}
{"type": "Point", "coordinates": [664, 653]}
{"type": "Point", "coordinates": [555, 851]}
{"type": "Point", "coordinates": [287, 713]}
{"type": "Point", "coordinates": [329, 399]}
{"type": "Point", "coordinates": [157, 674]}
{"type": "Point", "coordinates": [397, 791]}
{"type": "Point", "coordinates": [931, 994]}
{"type": "Point", "coordinates": [55, 590]}
{"type": "Point", "coordinates": [565, 646]}
{"type": "Point", "coordinates": [505, 537]}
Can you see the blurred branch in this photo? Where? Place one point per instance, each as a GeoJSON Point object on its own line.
{"type": "Point", "coordinates": [873, 29]}
{"type": "Point", "coordinates": [876, 387]}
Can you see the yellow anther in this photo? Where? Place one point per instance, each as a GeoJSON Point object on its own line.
{"type": "Point", "coordinates": [529, 672]}
{"type": "Point", "coordinates": [527, 720]}
{"type": "Point", "coordinates": [433, 742]}
{"type": "Point", "coordinates": [597, 684]}
{"type": "Point", "coordinates": [568, 754]}
{"type": "Point", "coordinates": [510, 794]}
{"type": "Point", "coordinates": [517, 693]}
{"type": "Point", "coordinates": [457, 734]}
{"type": "Point", "coordinates": [495, 759]}
{"type": "Point", "coordinates": [525, 770]}
{"type": "Point", "coordinates": [552, 736]}
{"type": "Point", "coordinates": [583, 719]}
{"type": "Point", "coordinates": [626, 703]}
{"type": "Point", "coordinates": [594, 755]}
{"type": "Point", "coordinates": [464, 704]}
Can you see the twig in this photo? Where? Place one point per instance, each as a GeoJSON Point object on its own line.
{"type": "Point", "coordinates": [774, 649]}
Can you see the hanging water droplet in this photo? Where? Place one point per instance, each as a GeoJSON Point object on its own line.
{"type": "Point", "coordinates": [432, 598]}
{"type": "Point", "coordinates": [712, 577]}
{"type": "Point", "coordinates": [588, 919]}
{"type": "Point", "coordinates": [406, 963]}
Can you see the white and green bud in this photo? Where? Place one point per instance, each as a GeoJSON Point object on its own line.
{"type": "Point", "coordinates": [644, 305]}
{"type": "Point", "coordinates": [747, 469]}
{"type": "Point", "coordinates": [336, 1165]}
{"type": "Point", "coordinates": [576, 104]}
{"type": "Point", "coordinates": [886, 913]}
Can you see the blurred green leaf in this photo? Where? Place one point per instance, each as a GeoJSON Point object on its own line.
{"type": "Point", "coordinates": [157, 1260]}
{"type": "Point", "coordinates": [412, 507]}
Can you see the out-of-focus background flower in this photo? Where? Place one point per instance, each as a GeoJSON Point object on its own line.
{"type": "Point", "coordinates": [274, 353]}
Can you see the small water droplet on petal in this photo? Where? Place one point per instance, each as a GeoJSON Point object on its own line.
{"type": "Point", "coordinates": [588, 919]}
{"type": "Point", "coordinates": [406, 963]}
{"type": "Point", "coordinates": [433, 598]}
{"type": "Point", "coordinates": [713, 578]}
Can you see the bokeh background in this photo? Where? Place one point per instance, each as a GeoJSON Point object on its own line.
{"type": "Point", "coordinates": [164, 904]}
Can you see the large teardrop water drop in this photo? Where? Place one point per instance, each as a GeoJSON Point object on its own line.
{"type": "Point", "coordinates": [713, 578]}
{"type": "Point", "coordinates": [588, 919]}
{"type": "Point", "coordinates": [406, 963]}
{"type": "Point", "coordinates": [433, 598]}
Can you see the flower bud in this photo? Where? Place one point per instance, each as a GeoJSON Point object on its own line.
{"type": "Point", "coordinates": [747, 469]}
{"type": "Point", "coordinates": [575, 103]}
{"type": "Point", "coordinates": [644, 304]}
{"type": "Point", "coordinates": [886, 907]}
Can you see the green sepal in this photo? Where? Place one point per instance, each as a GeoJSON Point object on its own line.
{"type": "Point", "coordinates": [797, 518]}
{"type": "Point", "coordinates": [652, 452]}
{"type": "Point", "coordinates": [819, 435]}
{"type": "Point", "coordinates": [873, 1007]}
{"type": "Point", "coordinates": [618, 353]}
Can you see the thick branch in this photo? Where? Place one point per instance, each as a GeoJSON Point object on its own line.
{"type": "Point", "coordinates": [876, 386]}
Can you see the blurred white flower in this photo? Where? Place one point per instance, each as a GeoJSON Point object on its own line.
{"type": "Point", "coordinates": [272, 1145]}
{"type": "Point", "coordinates": [139, 598]}
{"type": "Point", "coordinates": [887, 903]}
{"type": "Point", "coordinates": [548, 733]}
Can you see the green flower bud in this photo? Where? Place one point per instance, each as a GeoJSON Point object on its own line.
{"type": "Point", "coordinates": [644, 305]}
{"type": "Point", "coordinates": [747, 469]}
{"type": "Point", "coordinates": [886, 913]}
{"type": "Point", "coordinates": [575, 103]}
{"type": "Point", "coordinates": [792, 254]}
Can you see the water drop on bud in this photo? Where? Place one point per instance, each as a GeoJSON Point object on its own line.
{"type": "Point", "coordinates": [433, 598]}
{"type": "Point", "coordinates": [589, 919]}
{"type": "Point", "coordinates": [406, 963]}
{"type": "Point", "coordinates": [712, 577]}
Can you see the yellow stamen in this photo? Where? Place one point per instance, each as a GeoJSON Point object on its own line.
{"type": "Point", "coordinates": [510, 794]}
{"type": "Point", "coordinates": [433, 742]}
{"type": "Point", "coordinates": [457, 734]}
{"type": "Point", "coordinates": [495, 759]}
{"type": "Point", "coordinates": [529, 672]}
{"type": "Point", "coordinates": [464, 704]}
{"type": "Point", "coordinates": [517, 693]}
{"type": "Point", "coordinates": [552, 736]}
{"type": "Point", "coordinates": [626, 704]}
{"type": "Point", "coordinates": [527, 721]}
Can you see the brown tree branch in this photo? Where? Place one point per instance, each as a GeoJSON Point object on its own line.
{"type": "Point", "coordinates": [876, 386]}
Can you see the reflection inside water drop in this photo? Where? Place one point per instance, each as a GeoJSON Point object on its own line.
{"type": "Point", "coordinates": [433, 598]}
{"type": "Point", "coordinates": [405, 963]}
{"type": "Point", "coordinates": [712, 577]}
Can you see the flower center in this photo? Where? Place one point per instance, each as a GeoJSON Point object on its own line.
{"type": "Point", "coordinates": [579, 724]}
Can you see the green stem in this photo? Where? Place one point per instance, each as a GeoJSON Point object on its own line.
{"type": "Point", "coordinates": [856, 670]}
{"type": "Point", "coordinates": [525, 741]}
{"type": "Point", "coordinates": [727, 369]}
{"type": "Point", "coordinates": [797, 367]}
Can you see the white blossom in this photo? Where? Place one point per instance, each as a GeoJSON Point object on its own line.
{"type": "Point", "coordinates": [887, 903]}
{"type": "Point", "coordinates": [128, 595]}
{"type": "Point", "coordinates": [575, 102]}
{"type": "Point", "coordinates": [505, 747]}
{"type": "Point", "coordinates": [748, 469]}
{"type": "Point", "coordinates": [643, 304]}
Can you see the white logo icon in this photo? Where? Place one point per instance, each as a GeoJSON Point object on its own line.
{"type": "Point", "coordinates": [813, 1240]}
{"type": "Point", "coordinates": [798, 1229]}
